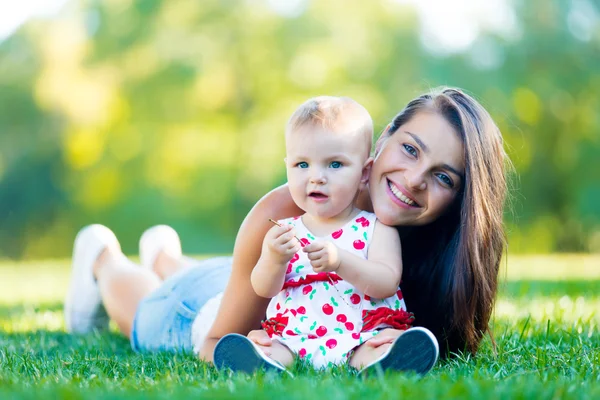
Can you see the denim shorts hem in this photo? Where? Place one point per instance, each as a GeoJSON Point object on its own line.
{"type": "Point", "coordinates": [163, 320]}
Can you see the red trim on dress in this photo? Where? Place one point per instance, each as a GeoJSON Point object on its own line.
{"type": "Point", "coordinates": [310, 278]}
{"type": "Point", "coordinates": [397, 319]}
{"type": "Point", "coordinates": [275, 325]}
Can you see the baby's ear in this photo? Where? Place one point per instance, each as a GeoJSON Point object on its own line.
{"type": "Point", "coordinates": [366, 172]}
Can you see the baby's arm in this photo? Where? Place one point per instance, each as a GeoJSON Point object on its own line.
{"type": "Point", "coordinates": [279, 246]}
{"type": "Point", "coordinates": [378, 276]}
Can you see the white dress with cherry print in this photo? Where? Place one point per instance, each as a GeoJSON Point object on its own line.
{"type": "Point", "coordinates": [321, 317]}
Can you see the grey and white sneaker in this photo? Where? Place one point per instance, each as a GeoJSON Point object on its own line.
{"type": "Point", "coordinates": [83, 310]}
{"type": "Point", "coordinates": [156, 239]}
{"type": "Point", "coordinates": [416, 350]}
{"type": "Point", "coordinates": [240, 354]}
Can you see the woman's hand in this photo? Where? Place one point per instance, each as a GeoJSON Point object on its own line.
{"type": "Point", "coordinates": [387, 335]}
{"type": "Point", "coordinates": [374, 348]}
{"type": "Point", "coordinates": [323, 255]}
{"type": "Point", "coordinates": [262, 340]}
{"type": "Point", "coordinates": [260, 337]}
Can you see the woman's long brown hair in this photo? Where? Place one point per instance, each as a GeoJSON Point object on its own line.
{"type": "Point", "coordinates": [451, 265]}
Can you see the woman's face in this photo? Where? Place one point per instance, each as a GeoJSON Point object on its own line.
{"type": "Point", "coordinates": [417, 172]}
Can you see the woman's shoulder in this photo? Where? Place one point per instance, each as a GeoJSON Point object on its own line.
{"type": "Point", "coordinates": [277, 204]}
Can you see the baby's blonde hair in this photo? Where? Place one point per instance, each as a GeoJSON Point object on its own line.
{"type": "Point", "coordinates": [334, 114]}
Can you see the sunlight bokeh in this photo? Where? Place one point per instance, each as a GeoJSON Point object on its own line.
{"type": "Point", "coordinates": [132, 112]}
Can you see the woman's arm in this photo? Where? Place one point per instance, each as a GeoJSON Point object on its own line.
{"type": "Point", "coordinates": [242, 309]}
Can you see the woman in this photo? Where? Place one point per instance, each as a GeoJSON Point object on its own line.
{"type": "Point", "coordinates": [438, 175]}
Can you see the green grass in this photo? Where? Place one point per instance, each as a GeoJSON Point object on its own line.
{"type": "Point", "coordinates": [545, 324]}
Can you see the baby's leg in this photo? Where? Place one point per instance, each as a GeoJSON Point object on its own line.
{"type": "Point", "coordinates": [278, 352]}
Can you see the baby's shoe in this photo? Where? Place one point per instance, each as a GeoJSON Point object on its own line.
{"type": "Point", "coordinates": [84, 311]}
{"type": "Point", "coordinates": [416, 350]}
{"type": "Point", "coordinates": [240, 354]}
{"type": "Point", "coordinates": [155, 239]}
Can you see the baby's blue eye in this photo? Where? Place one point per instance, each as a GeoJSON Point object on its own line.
{"type": "Point", "coordinates": [335, 164]}
{"type": "Point", "coordinates": [302, 164]}
{"type": "Point", "coordinates": [411, 150]}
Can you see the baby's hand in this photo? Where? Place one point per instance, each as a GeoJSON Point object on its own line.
{"type": "Point", "coordinates": [280, 244]}
{"type": "Point", "coordinates": [323, 255]}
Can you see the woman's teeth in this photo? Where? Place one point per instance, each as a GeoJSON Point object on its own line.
{"type": "Point", "coordinates": [399, 195]}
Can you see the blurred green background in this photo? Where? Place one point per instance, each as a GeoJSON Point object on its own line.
{"type": "Point", "coordinates": [131, 113]}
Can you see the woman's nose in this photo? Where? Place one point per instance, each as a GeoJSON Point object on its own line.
{"type": "Point", "coordinates": [415, 180]}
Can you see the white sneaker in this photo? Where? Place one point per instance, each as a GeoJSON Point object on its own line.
{"type": "Point", "coordinates": [84, 311]}
{"type": "Point", "coordinates": [155, 239]}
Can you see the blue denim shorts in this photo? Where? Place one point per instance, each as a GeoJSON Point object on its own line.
{"type": "Point", "coordinates": [163, 320]}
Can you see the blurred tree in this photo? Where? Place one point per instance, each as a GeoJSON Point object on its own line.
{"type": "Point", "coordinates": [137, 112]}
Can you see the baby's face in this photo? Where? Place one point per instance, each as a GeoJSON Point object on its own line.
{"type": "Point", "coordinates": [324, 169]}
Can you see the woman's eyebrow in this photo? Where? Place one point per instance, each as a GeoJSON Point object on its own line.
{"type": "Point", "coordinates": [453, 170]}
{"type": "Point", "coordinates": [419, 142]}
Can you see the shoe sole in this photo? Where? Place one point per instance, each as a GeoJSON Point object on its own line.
{"type": "Point", "coordinates": [238, 353]}
{"type": "Point", "coordinates": [416, 350]}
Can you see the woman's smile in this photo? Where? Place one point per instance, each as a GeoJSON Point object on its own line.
{"type": "Point", "coordinates": [400, 195]}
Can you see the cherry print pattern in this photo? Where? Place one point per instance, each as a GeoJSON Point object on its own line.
{"type": "Point", "coordinates": [321, 331]}
{"type": "Point", "coordinates": [327, 309]}
{"type": "Point", "coordinates": [358, 244]}
{"type": "Point", "coordinates": [322, 318]}
{"type": "Point", "coordinates": [363, 222]}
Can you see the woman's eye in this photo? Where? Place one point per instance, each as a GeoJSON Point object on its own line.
{"type": "Point", "coordinates": [302, 164]}
{"type": "Point", "coordinates": [410, 149]}
{"type": "Point", "coordinates": [335, 164]}
{"type": "Point", "coordinates": [445, 179]}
